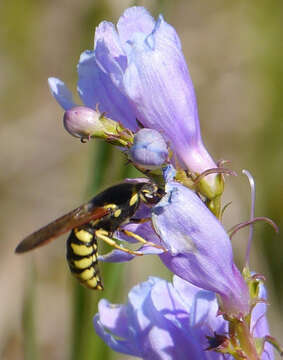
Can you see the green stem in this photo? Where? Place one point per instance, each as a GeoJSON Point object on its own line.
{"type": "Point", "coordinates": [245, 339]}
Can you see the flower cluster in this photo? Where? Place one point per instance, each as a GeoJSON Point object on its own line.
{"type": "Point", "coordinates": [137, 76]}
{"type": "Point", "coordinates": [137, 94]}
{"type": "Point", "coordinates": [171, 321]}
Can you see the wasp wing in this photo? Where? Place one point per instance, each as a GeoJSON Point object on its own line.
{"type": "Point", "coordinates": [81, 215]}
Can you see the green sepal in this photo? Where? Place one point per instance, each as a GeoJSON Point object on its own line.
{"type": "Point", "coordinates": [210, 190]}
{"type": "Point", "coordinates": [113, 132]}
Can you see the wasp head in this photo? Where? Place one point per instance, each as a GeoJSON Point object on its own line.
{"type": "Point", "coordinates": [150, 193]}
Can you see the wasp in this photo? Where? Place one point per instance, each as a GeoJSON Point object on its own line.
{"type": "Point", "coordinates": [93, 221]}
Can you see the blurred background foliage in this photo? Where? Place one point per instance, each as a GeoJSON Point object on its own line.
{"type": "Point", "coordinates": [234, 52]}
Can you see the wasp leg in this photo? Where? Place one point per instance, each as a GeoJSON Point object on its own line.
{"type": "Point", "coordinates": [139, 221]}
{"type": "Point", "coordinates": [103, 235]}
{"type": "Point", "coordinates": [141, 239]}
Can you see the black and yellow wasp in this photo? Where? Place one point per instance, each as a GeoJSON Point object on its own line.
{"type": "Point", "coordinates": [96, 220]}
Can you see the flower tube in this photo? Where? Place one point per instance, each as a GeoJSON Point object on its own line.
{"type": "Point", "coordinates": [199, 249]}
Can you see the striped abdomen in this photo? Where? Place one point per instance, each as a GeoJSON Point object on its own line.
{"type": "Point", "coordinates": [82, 257]}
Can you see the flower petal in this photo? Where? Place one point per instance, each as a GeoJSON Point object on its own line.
{"type": "Point", "coordinates": [61, 93]}
{"type": "Point", "coordinates": [107, 33]}
{"type": "Point", "coordinates": [119, 345]}
{"type": "Point", "coordinates": [144, 230]}
{"type": "Point", "coordinates": [185, 342]}
{"type": "Point", "coordinates": [158, 324]}
{"type": "Point", "coordinates": [114, 318]}
{"type": "Point", "coordinates": [139, 293]}
{"type": "Point", "coordinates": [201, 304]}
{"type": "Point", "coordinates": [259, 323]}
{"type": "Point", "coordinates": [135, 19]}
{"type": "Point", "coordinates": [158, 335]}
{"type": "Point", "coordinates": [116, 256]}
{"type": "Point", "coordinates": [96, 87]}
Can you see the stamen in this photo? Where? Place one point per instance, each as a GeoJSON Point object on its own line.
{"type": "Point", "coordinates": [240, 226]}
{"type": "Point", "coordinates": [224, 208]}
{"type": "Point", "coordinates": [223, 162]}
{"type": "Point", "coordinates": [252, 212]}
{"type": "Point", "coordinates": [252, 220]}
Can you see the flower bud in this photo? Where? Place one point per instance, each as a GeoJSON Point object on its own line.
{"type": "Point", "coordinates": [83, 122]}
{"type": "Point", "coordinates": [149, 149]}
{"type": "Point", "coordinates": [86, 123]}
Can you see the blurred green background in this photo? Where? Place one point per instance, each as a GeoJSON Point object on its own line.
{"type": "Point", "coordinates": [234, 53]}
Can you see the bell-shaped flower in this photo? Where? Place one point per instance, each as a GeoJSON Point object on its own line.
{"type": "Point", "coordinates": [158, 84]}
{"type": "Point", "coordinates": [138, 71]}
{"type": "Point", "coordinates": [167, 321]}
{"type": "Point", "coordinates": [199, 249]}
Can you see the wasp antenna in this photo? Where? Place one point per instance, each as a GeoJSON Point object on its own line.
{"type": "Point", "coordinates": [140, 125]}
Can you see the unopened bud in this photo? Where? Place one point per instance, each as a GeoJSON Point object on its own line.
{"type": "Point", "coordinates": [83, 122]}
{"type": "Point", "coordinates": [149, 149]}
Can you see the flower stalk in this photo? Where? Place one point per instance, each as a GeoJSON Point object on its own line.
{"type": "Point", "coordinates": [239, 330]}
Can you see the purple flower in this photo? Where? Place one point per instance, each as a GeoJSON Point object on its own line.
{"type": "Point", "coordinates": [138, 71]}
{"type": "Point", "coordinates": [161, 321]}
{"type": "Point", "coordinates": [167, 321]}
{"type": "Point", "coordinates": [199, 249]}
